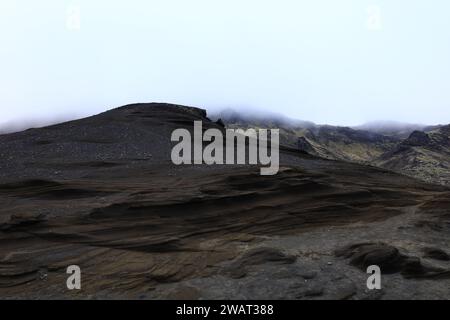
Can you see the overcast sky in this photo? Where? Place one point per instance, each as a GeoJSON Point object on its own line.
{"type": "Point", "coordinates": [329, 61]}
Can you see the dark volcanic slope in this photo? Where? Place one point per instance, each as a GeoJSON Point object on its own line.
{"type": "Point", "coordinates": [101, 193]}
{"type": "Point", "coordinates": [139, 132]}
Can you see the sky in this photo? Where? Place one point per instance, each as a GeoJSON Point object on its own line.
{"type": "Point", "coordinates": [340, 62]}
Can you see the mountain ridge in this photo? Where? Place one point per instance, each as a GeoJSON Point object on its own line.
{"type": "Point", "coordinates": [387, 146]}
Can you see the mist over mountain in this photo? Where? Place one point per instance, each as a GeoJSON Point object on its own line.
{"type": "Point", "coordinates": [244, 116]}
{"type": "Point", "coordinates": [391, 128]}
{"type": "Point", "coordinates": [256, 117]}
{"type": "Point", "coordinates": [29, 123]}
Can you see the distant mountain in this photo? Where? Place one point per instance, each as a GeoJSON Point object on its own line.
{"type": "Point", "coordinates": [425, 155]}
{"type": "Point", "coordinates": [416, 150]}
{"type": "Point", "coordinates": [331, 142]}
{"type": "Point", "coordinates": [290, 129]}
{"type": "Point", "coordinates": [345, 143]}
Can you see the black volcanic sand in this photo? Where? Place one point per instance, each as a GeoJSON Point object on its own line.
{"type": "Point", "coordinates": [101, 193]}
